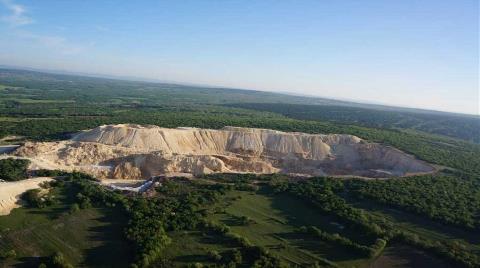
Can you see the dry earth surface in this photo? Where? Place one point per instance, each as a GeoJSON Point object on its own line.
{"type": "Point", "coordinates": [128, 151]}
{"type": "Point", "coordinates": [10, 192]}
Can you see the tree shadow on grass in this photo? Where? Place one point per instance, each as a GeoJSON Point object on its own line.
{"type": "Point", "coordinates": [212, 238]}
{"type": "Point", "coordinates": [419, 221]}
{"type": "Point", "coordinates": [301, 213]}
{"type": "Point", "coordinates": [65, 197]}
{"type": "Point", "coordinates": [398, 255]}
{"type": "Point", "coordinates": [232, 221]}
{"type": "Point", "coordinates": [328, 250]}
{"type": "Point", "coordinates": [51, 213]}
{"type": "Point", "coordinates": [114, 250]}
{"type": "Point", "coordinates": [31, 262]}
{"type": "Point", "coordinates": [192, 258]}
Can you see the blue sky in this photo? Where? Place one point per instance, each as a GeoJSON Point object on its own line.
{"type": "Point", "coordinates": [421, 53]}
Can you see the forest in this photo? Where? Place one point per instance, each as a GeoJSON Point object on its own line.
{"type": "Point", "coordinates": [13, 169]}
{"type": "Point", "coordinates": [465, 127]}
{"type": "Point", "coordinates": [236, 220]}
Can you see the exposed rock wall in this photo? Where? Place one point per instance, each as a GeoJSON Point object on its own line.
{"type": "Point", "coordinates": [128, 151]}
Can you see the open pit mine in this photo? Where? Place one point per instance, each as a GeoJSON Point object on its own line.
{"type": "Point", "coordinates": [128, 151]}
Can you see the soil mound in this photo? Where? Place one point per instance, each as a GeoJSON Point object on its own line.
{"type": "Point", "coordinates": [128, 151]}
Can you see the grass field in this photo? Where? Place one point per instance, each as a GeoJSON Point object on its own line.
{"type": "Point", "coordinates": [88, 238]}
{"type": "Point", "coordinates": [421, 225]}
{"type": "Point", "coordinates": [401, 256]}
{"type": "Point", "coordinates": [275, 222]}
{"type": "Point", "coordinates": [193, 246]}
{"type": "Point", "coordinates": [94, 237]}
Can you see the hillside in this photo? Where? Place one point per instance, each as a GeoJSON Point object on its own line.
{"type": "Point", "coordinates": [243, 218]}
{"type": "Point", "coordinates": [127, 151]}
{"type": "Point", "coordinates": [59, 95]}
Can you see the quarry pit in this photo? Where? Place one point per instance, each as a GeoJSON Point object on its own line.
{"type": "Point", "coordinates": [129, 151]}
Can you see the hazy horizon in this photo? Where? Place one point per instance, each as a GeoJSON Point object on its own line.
{"type": "Point", "coordinates": [150, 80]}
{"type": "Point", "coordinates": [408, 54]}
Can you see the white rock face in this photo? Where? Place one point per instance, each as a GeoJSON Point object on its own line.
{"type": "Point", "coordinates": [129, 151]}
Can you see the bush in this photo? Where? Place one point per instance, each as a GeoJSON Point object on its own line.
{"type": "Point", "coordinates": [236, 256]}
{"type": "Point", "coordinates": [50, 173]}
{"type": "Point", "coordinates": [13, 169]}
{"type": "Point", "coordinates": [214, 255]}
{"type": "Point", "coordinates": [244, 220]}
{"type": "Point", "coordinates": [33, 198]}
{"type": "Point", "coordinates": [11, 254]}
{"type": "Point", "coordinates": [74, 208]}
{"type": "Point", "coordinates": [59, 261]}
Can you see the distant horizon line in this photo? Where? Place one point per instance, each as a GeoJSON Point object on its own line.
{"type": "Point", "coordinates": [285, 92]}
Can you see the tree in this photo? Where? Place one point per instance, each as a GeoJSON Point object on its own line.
{"type": "Point", "coordinates": [13, 169]}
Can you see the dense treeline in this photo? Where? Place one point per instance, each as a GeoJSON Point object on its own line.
{"type": "Point", "coordinates": [12, 169]}
{"type": "Point", "coordinates": [48, 107]}
{"type": "Point", "coordinates": [323, 193]}
{"type": "Point", "coordinates": [460, 155]}
{"type": "Point", "coordinates": [253, 256]}
{"type": "Point", "coordinates": [369, 252]}
{"type": "Point", "coordinates": [443, 151]}
{"type": "Point", "coordinates": [451, 198]}
{"type": "Point", "coordinates": [180, 204]}
{"type": "Point", "coordinates": [59, 105]}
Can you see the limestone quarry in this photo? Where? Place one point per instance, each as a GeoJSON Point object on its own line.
{"type": "Point", "coordinates": [128, 151]}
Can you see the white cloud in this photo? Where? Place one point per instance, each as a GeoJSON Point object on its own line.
{"type": "Point", "coordinates": [57, 43]}
{"type": "Point", "coordinates": [17, 15]}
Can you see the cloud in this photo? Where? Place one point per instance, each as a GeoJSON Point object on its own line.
{"type": "Point", "coordinates": [17, 15]}
{"type": "Point", "coordinates": [54, 42]}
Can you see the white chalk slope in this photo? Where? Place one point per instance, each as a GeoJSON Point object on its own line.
{"type": "Point", "coordinates": [129, 151]}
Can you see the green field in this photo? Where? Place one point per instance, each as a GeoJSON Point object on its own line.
{"type": "Point", "coordinates": [422, 226]}
{"type": "Point", "coordinates": [90, 237]}
{"type": "Point", "coordinates": [94, 237]}
{"type": "Point", "coordinates": [401, 256]}
{"type": "Point", "coordinates": [432, 215]}
{"type": "Point", "coordinates": [193, 246]}
{"type": "Point", "coordinates": [275, 222]}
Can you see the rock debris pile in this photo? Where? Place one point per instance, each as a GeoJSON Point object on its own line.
{"type": "Point", "coordinates": [128, 151]}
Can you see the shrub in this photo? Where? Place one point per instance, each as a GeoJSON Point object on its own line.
{"type": "Point", "coordinates": [33, 198]}
{"type": "Point", "coordinates": [236, 256]}
{"type": "Point", "coordinates": [74, 208]}
{"type": "Point", "coordinates": [49, 173]}
{"type": "Point", "coordinates": [13, 169]}
{"type": "Point", "coordinates": [11, 254]}
{"type": "Point", "coordinates": [58, 260]}
{"type": "Point", "coordinates": [214, 255]}
{"type": "Point", "coordinates": [244, 220]}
